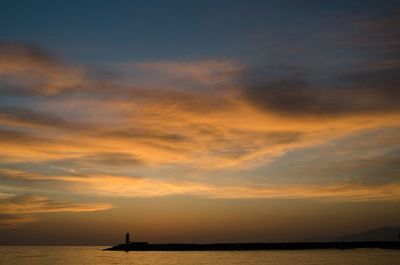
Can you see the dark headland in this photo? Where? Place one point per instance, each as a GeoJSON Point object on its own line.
{"type": "Point", "coordinates": [144, 246]}
{"type": "Point", "coordinates": [141, 246]}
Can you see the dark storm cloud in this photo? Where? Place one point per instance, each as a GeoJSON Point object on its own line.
{"type": "Point", "coordinates": [362, 93]}
{"type": "Point", "coordinates": [370, 86]}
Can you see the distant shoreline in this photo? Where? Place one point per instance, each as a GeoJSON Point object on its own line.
{"type": "Point", "coordinates": [143, 246]}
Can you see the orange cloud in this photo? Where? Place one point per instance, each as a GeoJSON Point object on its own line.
{"type": "Point", "coordinates": [176, 115]}
{"type": "Point", "coordinates": [17, 210]}
{"type": "Point", "coordinates": [26, 65]}
{"type": "Point", "coordinates": [125, 186]}
{"type": "Point", "coordinates": [24, 204]}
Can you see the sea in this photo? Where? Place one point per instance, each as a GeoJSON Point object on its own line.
{"type": "Point", "coordinates": [93, 255]}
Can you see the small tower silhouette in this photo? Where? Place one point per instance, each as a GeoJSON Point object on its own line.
{"type": "Point", "coordinates": [127, 239]}
{"type": "Point", "coordinates": [398, 233]}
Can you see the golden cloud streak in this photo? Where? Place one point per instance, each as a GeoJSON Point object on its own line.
{"type": "Point", "coordinates": [232, 138]}
{"type": "Point", "coordinates": [17, 210]}
{"type": "Point", "coordinates": [28, 204]}
{"type": "Point", "coordinates": [10, 221]}
{"type": "Point", "coordinates": [148, 187]}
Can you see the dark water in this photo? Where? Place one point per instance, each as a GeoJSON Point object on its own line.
{"type": "Point", "coordinates": [94, 256]}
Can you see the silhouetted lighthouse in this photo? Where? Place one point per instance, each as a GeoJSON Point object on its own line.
{"type": "Point", "coordinates": [127, 239]}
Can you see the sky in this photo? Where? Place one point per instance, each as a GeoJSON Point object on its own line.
{"type": "Point", "coordinates": [198, 121]}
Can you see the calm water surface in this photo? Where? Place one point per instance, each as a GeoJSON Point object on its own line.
{"type": "Point", "coordinates": [94, 255]}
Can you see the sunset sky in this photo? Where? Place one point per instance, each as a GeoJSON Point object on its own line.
{"type": "Point", "coordinates": [198, 121]}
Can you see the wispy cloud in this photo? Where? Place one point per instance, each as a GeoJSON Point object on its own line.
{"type": "Point", "coordinates": [203, 115]}
{"type": "Point", "coordinates": [41, 73]}
{"type": "Point", "coordinates": [15, 221]}
{"type": "Point", "coordinates": [17, 210]}
{"type": "Point", "coordinates": [141, 187]}
{"type": "Point", "coordinates": [39, 204]}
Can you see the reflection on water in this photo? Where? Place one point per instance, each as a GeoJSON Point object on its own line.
{"type": "Point", "coordinates": [94, 256]}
